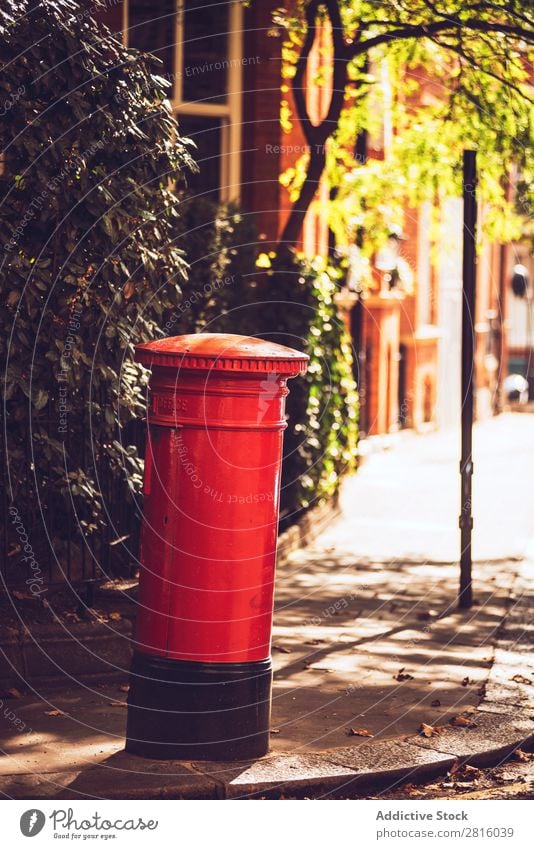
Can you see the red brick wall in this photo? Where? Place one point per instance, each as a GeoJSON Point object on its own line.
{"type": "Point", "coordinates": [261, 163]}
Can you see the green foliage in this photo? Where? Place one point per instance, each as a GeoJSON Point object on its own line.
{"type": "Point", "coordinates": [88, 263]}
{"type": "Point", "coordinates": [450, 76]}
{"type": "Point", "coordinates": [220, 243]}
{"type": "Point", "coordinates": [294, 306]}
{"type": "Point", "coordinates": [321, 441]}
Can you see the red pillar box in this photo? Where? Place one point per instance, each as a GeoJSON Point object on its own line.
{"type": "Point", "coordinates": [201, 673]}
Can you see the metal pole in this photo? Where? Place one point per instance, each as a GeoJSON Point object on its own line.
{"type": "Point", "coordinates": [465, 599]}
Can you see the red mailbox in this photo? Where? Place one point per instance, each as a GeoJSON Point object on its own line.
{"type": "Point", "coordinates": [201, 673]}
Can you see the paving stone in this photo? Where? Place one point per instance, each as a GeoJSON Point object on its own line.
{"type": "Point", "coordinates": [494, 736]}
{"type": "Point", "coordinates": [390, 760]}
{"type": "Point", "coordinates": [125, 776]}
{"type": "Point", "coordinates": [11, 663]}
{"type": "Point", "coordinates": [510, 710]}
{"type": "Point", "coordinates": [511, 680]}
{"type": "Point", "coordinates": [296, 771]}
{"type": "Point", "coordinates": [83, 650]}
{"type": "Point", "coordinates": [46, 786]}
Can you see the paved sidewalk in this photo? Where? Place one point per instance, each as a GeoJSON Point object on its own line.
{"type": "Point", "coordinates": [364, 644]}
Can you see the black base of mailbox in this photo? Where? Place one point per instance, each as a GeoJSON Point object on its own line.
{"type": "Point", "coordinates": [181, 710]}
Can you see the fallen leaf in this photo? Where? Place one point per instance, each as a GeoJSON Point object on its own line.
{"type": "Point", "coordinates": [403, 676]}
{"type": "Point", "coordinates": [463, 771]}
{"type": "Point", "coordinates": [359, 732]}
{"type": "Point", "coordinates": [462, 722]}
{"type": "Point", "coordinates": [313, 642]}
{"type": "Point", "coordinates": [20, 595]}
{"type": "Point", "coordinates": [13, 693]}
{"type": "Point", "coordinates": [430, 730]}
{"type": "Point", "coordinates": [55, 713]}
{"type": "Point", "coordinates": [275, 731]}
{"type": "Point", "coordinates": [115, 616]}
{"type": "Point", "coordinates": [411, 790]}
{"type": "Point", "coordinates": [520, 679]}
{"type": "Point", "coordinates": [124, 688]}
{"type": "Point", "coordinates": [522, 757]}
{"type": "Point", "coordinates": [282, 649]}
{"type": "Point", "coordinates": [506, 776]}
{"type": "Point", "coordinates": [118, 704]}
{"type": "Point", "coordinates": [435, 703]}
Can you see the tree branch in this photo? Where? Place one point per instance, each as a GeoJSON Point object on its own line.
{"type": "Point", "coordinates": [299, 89]}
{"type": "Point", "coordinates": [316, 135]}
{"type": "Point", "coordinates": [428, 30]}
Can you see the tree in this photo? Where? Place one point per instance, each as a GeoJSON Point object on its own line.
{"type": "Point", "coordinates": [88, 264]}
{"type": "Point", "coordinates": [478, 52]}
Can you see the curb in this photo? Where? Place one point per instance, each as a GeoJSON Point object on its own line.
{"type": "Point", "coordinates": [365, 767]}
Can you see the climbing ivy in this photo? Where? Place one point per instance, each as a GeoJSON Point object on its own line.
{"type": "Point", "coordinates": [88, 266]}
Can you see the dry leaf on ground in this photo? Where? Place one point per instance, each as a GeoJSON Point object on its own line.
{"type": "Point", "coordinates": [55, 713]}
{"type": "Point", "coordinates": [360, 732]}
{"type": "Point", "coordinates": [403, 676]}
{"type": "Point", "coordinates": [520, 679]}
{"type": "Point", "coordinates": [462, 722]}
{"type": "Point", "coordinates": [464, 771]}
{"type": "Point", "coordinates": [282, 649]}
{"type": "Point", "coordinates": [115, 616]}
{"type": "Point", "coordinates": [430, 730]}
{"type": "Point", "coordinates": [118, 704]}
{"type": "Point", "coordinates": [522, 757]}
{"type": "Point", "coordinates": [124, 688]}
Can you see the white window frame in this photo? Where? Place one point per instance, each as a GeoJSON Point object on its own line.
{"type": "Point", "coordinates": [229, 112]}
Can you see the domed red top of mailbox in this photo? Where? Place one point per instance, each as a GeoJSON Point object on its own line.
{"type": "Point", "coordinates": [222, 352]}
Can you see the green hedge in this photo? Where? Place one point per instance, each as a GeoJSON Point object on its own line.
{"type": "Point", "coordinates": [321, 442]}
{"type": "Point", "coordinates": [88, 263]}
{"type": "Point", "coordinates": [293, 306]}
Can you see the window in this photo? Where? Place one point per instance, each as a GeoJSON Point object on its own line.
{"type": "Point", "coordinates": [199, 43]}
{"type": "Point", "coordinates": [150, 28]}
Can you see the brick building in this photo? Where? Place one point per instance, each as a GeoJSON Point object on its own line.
{"type": "Point", "coordinates": [227, 91]}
